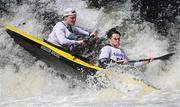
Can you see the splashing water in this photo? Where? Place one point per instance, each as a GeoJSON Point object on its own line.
{"type": "Point", "coordinates": [27, 81]}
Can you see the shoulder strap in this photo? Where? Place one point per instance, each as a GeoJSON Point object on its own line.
{"type": "Point", "coordinates": [68, 27]}
{"type": "Point", "coordinates": [108, 44]}
{"type": "Point", "coordinates": [64, 24]}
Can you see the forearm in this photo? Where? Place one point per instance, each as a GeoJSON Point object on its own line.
{"type": "Point", "coordinates": [137, 64]}
{"type": "Point", "coordinates": [81, 31]}
{"type": "Point", "coordinates": [104, 62]}
{"type": "Point", "coordinates": [65, 41]}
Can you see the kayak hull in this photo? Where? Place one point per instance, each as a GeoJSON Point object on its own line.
{"type": "Point", "coordinates": [51, 58]}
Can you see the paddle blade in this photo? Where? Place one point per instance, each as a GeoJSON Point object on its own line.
{"type": "Point", "coordinates": [164, 57]}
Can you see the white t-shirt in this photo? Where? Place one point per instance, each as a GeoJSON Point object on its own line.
{"type": "Point", "coordinates": [115, 54]}
{"type": "Point", "coordinates": [60, 35]}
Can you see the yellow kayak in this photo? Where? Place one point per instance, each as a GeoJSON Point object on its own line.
{"type": "Point", "coordinates": [55, 56]}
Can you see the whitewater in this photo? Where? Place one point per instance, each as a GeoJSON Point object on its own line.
{"type": "Point", "coordinates": [28, 82]}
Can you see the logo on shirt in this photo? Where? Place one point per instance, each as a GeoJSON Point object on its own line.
{"type": "Point", "coordinates": [118, 54]}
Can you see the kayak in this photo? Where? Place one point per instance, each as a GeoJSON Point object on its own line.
{"type": "Point", "coordinates": [52, 55]}
{"type": "Point", "coordinates": [60, 59]}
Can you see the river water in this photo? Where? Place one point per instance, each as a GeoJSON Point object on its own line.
{"type": "Point", "coordinates": [28, 82]}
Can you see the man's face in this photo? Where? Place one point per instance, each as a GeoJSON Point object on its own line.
{"type": "Point", "coordinates": [115, 40]}
{"type": "Point", "coordinates": [70, 20]}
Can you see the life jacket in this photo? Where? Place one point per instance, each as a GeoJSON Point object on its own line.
{"type": "Point", "coordinates": [71, 34]}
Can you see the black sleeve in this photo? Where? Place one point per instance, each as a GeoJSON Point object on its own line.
{"type": "Point", "coordinates": [103, 63]}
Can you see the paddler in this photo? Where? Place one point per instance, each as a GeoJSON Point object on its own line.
{"type": "Point", "coordinates": [64, 33]}
{"type": "Point", "coordinates": [111, 53]}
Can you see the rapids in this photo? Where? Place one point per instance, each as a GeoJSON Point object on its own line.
{"type": "Point", "coordinates": [28, 82]}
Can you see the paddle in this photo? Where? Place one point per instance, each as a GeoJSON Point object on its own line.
{"type": "Point", "coordinates": [163, 57]}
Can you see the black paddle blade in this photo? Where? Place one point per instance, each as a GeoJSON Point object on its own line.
{"type": "Point", "coordinates": [164, 57]}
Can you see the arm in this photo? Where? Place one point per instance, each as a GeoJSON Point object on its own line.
{"type": "Point", "coordinates": [104, 57]}
{"type": "Point", "coordinates": [80, 31]}
{"type": "Point", "coordinates": [124, 59]}
{"type": "Point", "coordinates": [104, 62]}
{"type": "Point", "coordinates": [138, 64]}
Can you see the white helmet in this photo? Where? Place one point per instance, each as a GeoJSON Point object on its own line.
{"type": "Point", "coordinates": [69, 12]}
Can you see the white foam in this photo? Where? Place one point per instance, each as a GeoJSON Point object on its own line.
{"type": "Point", "coordinates": [34, 85]}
